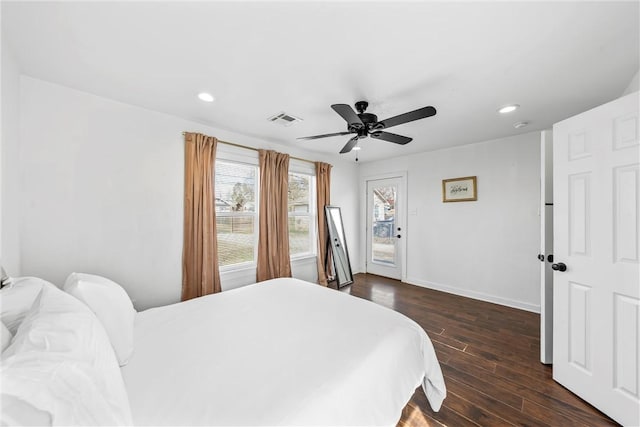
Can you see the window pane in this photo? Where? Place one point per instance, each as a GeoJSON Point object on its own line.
{"type": "Point", "coordinates": [300, 228]}
{"type": "Point", "coordinates": [236, 238]}
{"type": "Point", "coordinates": [299, 193]}
{"type": "Point", "coordinates": [299, 235]}
{"type": "Point", "coordinates": [235, 187]}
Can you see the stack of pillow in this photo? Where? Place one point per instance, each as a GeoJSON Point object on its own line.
{"type": "Point", "coordinates": [62, 352]}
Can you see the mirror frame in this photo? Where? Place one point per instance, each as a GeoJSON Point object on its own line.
{"type": "Point", "coordinates": [332, 228]}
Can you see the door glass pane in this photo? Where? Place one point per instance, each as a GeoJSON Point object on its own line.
{"type": "Point", "coordinates": [383, 245]}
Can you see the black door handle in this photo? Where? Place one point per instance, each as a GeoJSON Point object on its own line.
{"type": "Point", "coordinates": [559, 266]}
{"type": "Point", "coordinates": [550, 258]}
{"type": "Point", "coordinates": [541, 257]}
{"type": "Point", "coordinates": [398, 236]}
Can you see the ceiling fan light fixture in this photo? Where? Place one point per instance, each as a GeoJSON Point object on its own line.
{"type": "Point", "coordinates": [366, 124]}
{"type": "Point", "coordinates": [206, 97]}
{"type": "Point", "coordinates": [508, 108]}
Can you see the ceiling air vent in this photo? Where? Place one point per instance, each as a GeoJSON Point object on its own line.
{"type": "Point", "coordinates": [284, 119]}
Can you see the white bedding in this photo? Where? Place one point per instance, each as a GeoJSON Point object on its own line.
{"type": "Point", "coordinates": [280, 352]}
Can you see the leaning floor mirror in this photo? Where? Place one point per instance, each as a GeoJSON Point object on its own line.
{"type": "Point", "coordinates": [338, 244]}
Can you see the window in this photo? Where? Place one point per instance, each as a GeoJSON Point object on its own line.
{"type": "Point", "coordinates": [302, 214]}
{"type": "Point", "coordinates": [237, 209]}
{"type": "Point", "coordinates": [236, 201]}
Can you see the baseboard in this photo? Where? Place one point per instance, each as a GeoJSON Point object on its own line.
{"type": "Point", "coordinates": [475, 295]}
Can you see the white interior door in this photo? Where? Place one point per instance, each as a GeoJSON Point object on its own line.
{"type": "Point", "coordinates": [596, 237]}
{"type": "Point", "coordinates": [546, 247]}
{"type": "Point", "coordinates": [384, 227]}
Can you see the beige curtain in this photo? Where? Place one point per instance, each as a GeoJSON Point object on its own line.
{"type": "Point", "coordinates": [200, 274]}
{"type": "Point", "coordinates": [273, 238]}
{"type": "Point", "coordinates": [323, 185]}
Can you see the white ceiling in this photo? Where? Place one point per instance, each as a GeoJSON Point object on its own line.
{"type": "Point", "coordinates": [258, 59]}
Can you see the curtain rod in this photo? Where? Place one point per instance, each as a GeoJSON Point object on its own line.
{"type": "Point", "coordinates": [254, 149]}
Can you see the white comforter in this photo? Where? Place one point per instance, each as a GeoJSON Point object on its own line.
{"type": "Point", "coordinates": [280, 352]}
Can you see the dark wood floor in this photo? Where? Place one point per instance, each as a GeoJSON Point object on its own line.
{"type": "Point", "coordinates": [490, 358]}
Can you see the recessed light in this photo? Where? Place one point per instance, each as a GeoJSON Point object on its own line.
{"type": "Point", "coordinates": [206, 97]}
{"type": "Point", "coordinates": [519, 125]}
{"type": "Point", "coordinates": [508, 108]}
{"type": "Point", "coordinates": [357, 148]}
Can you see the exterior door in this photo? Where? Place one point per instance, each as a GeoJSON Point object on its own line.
{"type": "Point", "coordinates": [596, 315]}
{"type": "Point", "coordinates": [384, 229]}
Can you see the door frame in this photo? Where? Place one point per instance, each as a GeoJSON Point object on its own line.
{"type": "Point", "coordinates": [402, 196]}
{"type": "Point", "coordinates": [546, 246]}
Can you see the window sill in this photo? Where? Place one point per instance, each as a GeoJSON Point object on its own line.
{"type": "Point", "coordinates": [303, 259]}
{"type": "Point", "coordinates": [302, 266]}
{"type": "Point", "coordinates": [251, 267]}
{"type": "Point", "coordinates": [240, 268]}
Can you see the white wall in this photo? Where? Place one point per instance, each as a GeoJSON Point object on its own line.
{"type": "Point", "coordinates": [9, 172]}
{"type": "Point", "coordinates": [485, 249]}
{"type": "Point", "coordinates": [103, 188]}
{"type": "Point", "coordinates": [634, 85]}
{"type": "Point", "coordinates": [102, 184]}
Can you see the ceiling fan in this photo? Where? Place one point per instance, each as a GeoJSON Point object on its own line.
{"type": "Point", "coordinates": [367, 124]}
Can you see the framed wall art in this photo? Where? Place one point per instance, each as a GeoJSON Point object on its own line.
{"type": "Point", "coordinates": [460, 189]}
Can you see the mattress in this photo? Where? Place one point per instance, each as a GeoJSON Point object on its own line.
{"type": "Point", "coordinates": [279, 352]}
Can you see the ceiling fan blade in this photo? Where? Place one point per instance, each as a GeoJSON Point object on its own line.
{"type": "Point", "coordinates": [349, 145]}
{"type": "Point", "coordinates": [420, 113]}
{"type": "Point", "coordinates": [391, 137]}
{"type": "Point", "coordinates": [326, 135]}
{"type": "Point", "coordinates": [347, 113]}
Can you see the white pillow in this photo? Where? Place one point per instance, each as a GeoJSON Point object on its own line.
{"type": "Point", "coordinates": [17, 299]}
{"type": "Point", "coordinates": [17, 412]}
{"type": "Point", "coordinates": [5, 336]}
{"type": "Point", "coordinates": [111, 304]}
{"type": "Point", "coordinates": [60, 366]}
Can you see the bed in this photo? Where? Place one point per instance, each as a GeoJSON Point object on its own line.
{"type": "Point", "coordinates": [279, 352]}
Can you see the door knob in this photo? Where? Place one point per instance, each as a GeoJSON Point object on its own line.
{"type": "Point", "coordinates": [398, 236]}
{"type": "Point", "coordinates": [559, 266]}
{"type": "Point", "coordinates": [541, 257]}
{"type": "Point", "coordinates": [550, 258]}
